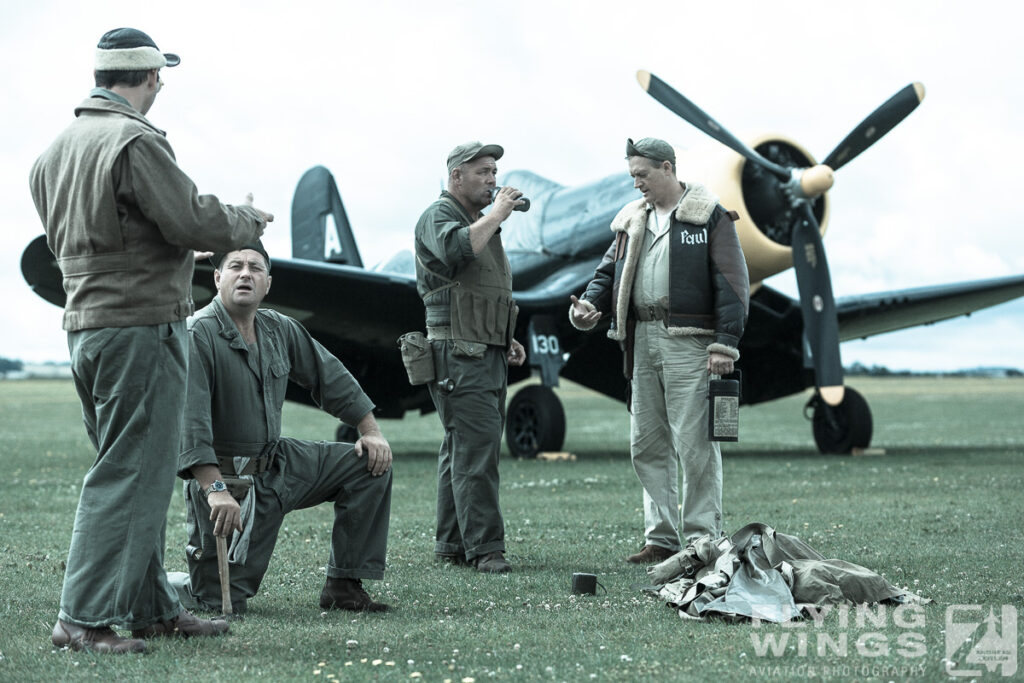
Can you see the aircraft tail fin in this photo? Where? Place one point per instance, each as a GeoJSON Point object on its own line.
{"type": "Point", "coordinates": [320, 227]}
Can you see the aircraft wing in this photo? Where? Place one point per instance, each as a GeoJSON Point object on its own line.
{"type": "Point", "coordinates": [552, 293]}
{"type": "Point", "coordinates": [870, 314]}
{"type": "Point", "coordinates": [347, 303]}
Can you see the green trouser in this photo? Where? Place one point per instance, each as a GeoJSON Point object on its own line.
{"type": "Point", "coordinates": [469, 521]}
{"type": "Point", "coordinates": [303, 474]}
{"type": "Point", "coordinates": [669, 433]}
{"type": "Point", "coordinates": [131, 381]}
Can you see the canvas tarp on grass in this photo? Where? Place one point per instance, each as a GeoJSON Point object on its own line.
{"type": "Point", "coordinates": [760, 573]}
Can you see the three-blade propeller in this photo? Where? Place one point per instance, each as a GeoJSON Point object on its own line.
{"type": "Point", "coordinates": [801, 186]}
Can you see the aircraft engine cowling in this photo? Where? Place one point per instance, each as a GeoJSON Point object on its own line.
{"type": "Point", "coordinates": [766, 219]}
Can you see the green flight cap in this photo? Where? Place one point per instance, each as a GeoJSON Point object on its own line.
{"type": "Point", "coordinates": [651, 148]}
{"type": "Point", "coordinates": [468, 151]}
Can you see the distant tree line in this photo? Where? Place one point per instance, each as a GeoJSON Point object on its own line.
{"type": "Point", "coordinates": [859, 369]}
{"type": "Point", "coordinates": [9, 365]}
{"type": "Point", "coordinates": [856, 369]}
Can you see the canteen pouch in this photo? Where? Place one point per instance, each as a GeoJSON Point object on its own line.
{"type": "Point", "coordinates": [417, 358]}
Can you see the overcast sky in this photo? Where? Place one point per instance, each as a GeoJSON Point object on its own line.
{"type": "Point", "coordinates": [379, 92]}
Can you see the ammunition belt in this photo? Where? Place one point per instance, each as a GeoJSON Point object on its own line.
{"type": "Point", "coordinates": [439, 332]}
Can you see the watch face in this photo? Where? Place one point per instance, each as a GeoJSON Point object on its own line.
{"type": "Point", "coordinates": [217, 486]}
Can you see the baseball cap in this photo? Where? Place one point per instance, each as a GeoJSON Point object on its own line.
{"type": "Point", "coordinates": [468, 151]}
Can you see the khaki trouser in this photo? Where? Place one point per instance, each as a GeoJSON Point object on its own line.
{"type": "Point", "coordinates": [669, 433]}
{"type": "Point", "coordinates": [469, 520]}
{"type": "Point", "coordinates": [304, 474]}
{"type": "Point", "coordinates": [131, 382]}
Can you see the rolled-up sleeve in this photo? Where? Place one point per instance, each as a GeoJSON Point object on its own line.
{"type": "Point", "coordinates": [452, 246]}
{"type": "Point", "coordinates": [445, 235]}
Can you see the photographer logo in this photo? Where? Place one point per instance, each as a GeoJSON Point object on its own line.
{"type": "Point", "coordinates": [977, 644]}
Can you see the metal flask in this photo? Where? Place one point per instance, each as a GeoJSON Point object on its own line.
{"type": "Point", "coordinates": [724, 408]}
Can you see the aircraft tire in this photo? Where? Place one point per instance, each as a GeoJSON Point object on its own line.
{"type": "Point", "coordinates": [839, 429]}
{"type": "Point", "coordinates": [346, 433]}
{"type": "Point", "coordinates": [535, 422]}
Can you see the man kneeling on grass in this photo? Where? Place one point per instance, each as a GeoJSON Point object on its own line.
{"type": "Point", "coordinates": [242, 358]}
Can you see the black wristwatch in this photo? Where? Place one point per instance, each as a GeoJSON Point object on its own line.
{"type": "Point", "coordinates": [216, 487]}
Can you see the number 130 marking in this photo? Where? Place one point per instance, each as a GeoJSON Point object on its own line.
{"type": "Point", "coordinates": [545, 344]}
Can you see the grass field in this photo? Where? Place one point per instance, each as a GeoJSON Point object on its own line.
{"type": "Point", "coordinates": [940, 513]}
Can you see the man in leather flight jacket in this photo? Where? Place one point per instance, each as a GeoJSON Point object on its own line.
{"type": "Point", "coordinates": [675, 284]}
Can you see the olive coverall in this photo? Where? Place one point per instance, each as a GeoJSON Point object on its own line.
{"type": "Point", "coordinates": [235, 398]}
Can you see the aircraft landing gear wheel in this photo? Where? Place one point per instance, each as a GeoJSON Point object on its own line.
{"type": "Point", "coordinates": [535, 422]}
{"type": "Point", "coordinates": [839, 429]}
{"type": "Point", "coordinates": [346, 433]}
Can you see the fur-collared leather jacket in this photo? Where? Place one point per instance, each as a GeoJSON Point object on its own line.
{"type": "Point", "coordinates": [709, 289]}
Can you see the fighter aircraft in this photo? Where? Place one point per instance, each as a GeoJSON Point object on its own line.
{"type": "Point", "coordinates": [776, 186]}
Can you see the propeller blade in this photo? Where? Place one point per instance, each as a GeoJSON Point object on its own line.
{"type": "Point", "coordinates": [821, 327]}
{"type": "Point", "coordinates": [877, 124]}
{"type": "Point", "coordinates": [695, 116]}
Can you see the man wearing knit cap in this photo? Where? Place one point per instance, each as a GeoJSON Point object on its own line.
{"type": "Point", "coordinates": [465, 281]}
{"type": "Point", "coordinates": [674, 282]}
{"type": "Point", "coordinates": [123, 221]}
{"type": "Point", "coordinates": [242, 477]}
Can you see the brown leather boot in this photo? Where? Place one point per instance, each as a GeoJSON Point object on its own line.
{"type": "Point", "coordinates": [348, 594]}
{"type": "Point", "coordinates": [80, 638]}
{"type": "Point", "coordinates": [493, 563]}
{"type": "Point", "coordinates": [185, 625]}
{"type": "Point", "coordinates": [651, 554]}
